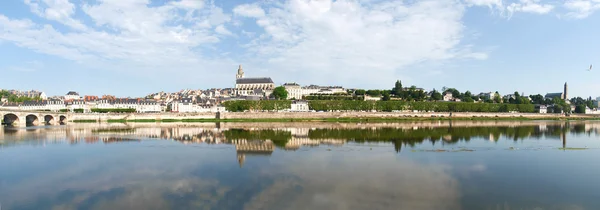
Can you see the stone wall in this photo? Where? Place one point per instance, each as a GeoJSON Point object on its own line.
{"type": "Point", "coordinates": [301, 115]}
{"type": "Point", "coordinates": [323, 115]}
{"type": "Point", "coordinates": [141, 116]}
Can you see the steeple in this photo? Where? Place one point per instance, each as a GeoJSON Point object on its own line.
{"type": "Point", "coordinates": [240, 73]}
{"type": "Point", "coordinates": [565, 97]}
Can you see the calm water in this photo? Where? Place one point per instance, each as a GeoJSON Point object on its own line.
{"type": "Point", "coordinates": [421, 165]}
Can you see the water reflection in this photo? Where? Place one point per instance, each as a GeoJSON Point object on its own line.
{"type": "Point", "coordinates": [307, 166]}
{"type": "Point", "coordinates": [295, 138]}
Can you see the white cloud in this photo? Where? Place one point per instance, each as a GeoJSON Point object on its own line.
{"type": "Point", "coordinates": [249, 10]}
{"type": "Point", "coordinates": [580, 9]}
{"type": "Point", "coordinates": [349, 41]}
{"type": "Point", "coordinates": [488, 3]}
{"type": "Point", "coordinates": [530, 6]}
{"type": "Point", "coordinates": [188, 4]}
{"type": "Point", "coordinates": [356, 42]}
{"type": "Point", "coordinates": [133, 37]}
{"type": "Point", "coordinates": [222, 30]}
{"type": "Point", "coordinates": [57, 10]}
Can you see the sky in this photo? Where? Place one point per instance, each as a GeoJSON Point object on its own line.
{"type": "Point", "coordinates": [137, 47]}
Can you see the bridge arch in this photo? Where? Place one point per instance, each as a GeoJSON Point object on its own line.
{"type": "Point", "coordinates": [49, 119]}
{"type": "Point", "coordinates": [10, 119]}
{"type": "Point", "coordinates": [32, 119]}
{"type": "Point", "coordinates": [62, 119]}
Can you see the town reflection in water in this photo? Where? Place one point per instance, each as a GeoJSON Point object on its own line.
{"type": "Point", "coordinates": [411, 165]}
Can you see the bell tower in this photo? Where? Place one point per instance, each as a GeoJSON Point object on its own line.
{"type": "Point", "coordinates": [565, 97]}
{"type": "Point", "coordinates": [240, 73]}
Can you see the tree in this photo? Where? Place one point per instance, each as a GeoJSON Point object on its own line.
{"type": "Point", "coordinates": [386, 96]}
{"type": "Point", "coordinates": [497, 98]}
{"type": "Point", "coordinates": [397, 90]}
{"type": "Point", "coordinates": [580, 109]}
{"type": "Point", "coordinates": [280, 93]}
{"type": "Point", "coordinates": [537, 99]}
{"type": "Point", "coordinates": [359, 92]}
{"type": "Point", "coordinates": [523, 100]}
{"type": "Point", "coordinates": [560, 104]}
{"type": "Point", "coordinates": [455, 92]}
{"type": "Point", "coordinates": [374, 93]}
{"type": "Point", "coordinates": [435, 95]}
{"type": "Point", "coordinates": [467, 97]}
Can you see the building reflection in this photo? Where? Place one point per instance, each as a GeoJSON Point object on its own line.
{"type": "Point", "coordinates": [250, 141]}
{"type": "Point", "coordinates": [256, 147]}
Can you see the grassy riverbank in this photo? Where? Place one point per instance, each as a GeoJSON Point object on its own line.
{"type": "Point", "coordinates": [368, 119]}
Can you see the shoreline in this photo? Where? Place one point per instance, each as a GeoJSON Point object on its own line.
{"type": "Point", "coordinates": [339, 120]}
{"type": "Point", "coordinates": [318, 117]}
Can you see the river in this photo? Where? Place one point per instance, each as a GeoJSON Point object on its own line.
{"type": "Point", "coordinates": [410, 165]}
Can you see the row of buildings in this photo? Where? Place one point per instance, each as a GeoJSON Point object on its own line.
{"type": "Point", "coordinates": [56, 105]}
{"type": "Point", "coordinates": [264, 86]}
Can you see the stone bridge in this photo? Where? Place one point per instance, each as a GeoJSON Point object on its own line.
{"type": "Point", "coordinates": [22, 118]}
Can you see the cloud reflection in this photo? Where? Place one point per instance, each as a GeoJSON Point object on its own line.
{"type": "Point", "coordinates": [366, 181]}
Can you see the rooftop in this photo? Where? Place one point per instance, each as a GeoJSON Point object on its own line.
{"type": "Point", "coordinates": [256, 80]}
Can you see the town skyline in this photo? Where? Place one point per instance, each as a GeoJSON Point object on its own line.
{"type": "Point", "coordinates": [530, 46]}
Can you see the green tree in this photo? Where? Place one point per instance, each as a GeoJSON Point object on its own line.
{"type": "Point", "coordinates": [435, 95]}
{"type": "Point", "coordinates": [454, 91]}
{"type": "Point", "coordinates": [497, 99]}
{"type": "Point", "coordinates": [397, 90]}
{"type": "Point", "coordinates": [386, 96]}
{"type": "Point", "coordinates": [468, 99]}
{"type": "Point", "coordinates": [280, 93]}
{"type": "Point", "coordinates": [560, 104]}
{"type": "Point", "coordinates": [360, 92]}
{"type": "Point", "coordinates": [537, 99]}
{"type": "Point", "coordinates": [580, 109]}
{"type": "Point", "coordinates": [374, 93]}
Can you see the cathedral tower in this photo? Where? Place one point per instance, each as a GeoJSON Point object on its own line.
{"type": "Point", "coordinates": [240, 73]}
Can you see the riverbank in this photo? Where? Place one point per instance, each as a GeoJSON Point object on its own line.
{"type": "Point", "coordinates": [318, 117]}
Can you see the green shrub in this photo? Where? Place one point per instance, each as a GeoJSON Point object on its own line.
{"type": "Point", "coordinates": [243, 105]}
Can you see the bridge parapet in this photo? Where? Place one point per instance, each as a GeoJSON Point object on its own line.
{"type": "Point", "coordinates": [23, 118]}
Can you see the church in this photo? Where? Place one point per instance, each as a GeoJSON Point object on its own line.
{"type": "Point", "coordinates": [252, 86]}
{"type": "Point", "coordinates": [562, 95]}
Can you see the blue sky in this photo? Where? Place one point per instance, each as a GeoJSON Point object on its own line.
{"type": "Point", "coordinates": [135, 47]}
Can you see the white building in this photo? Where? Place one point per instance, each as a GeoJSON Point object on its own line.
{"type": "Point", "coordinates": [140, 105]}
{"type": "Point", "coordinates": [46, 105]}
{"type": "Point", "coordinates": [188, 106]}
{"type": "Point", "coordinates": [78, 105]}
{"type": "Point", "coordinates": [371, 98]}
{"type": "Point", "coordinates": [183, 105]}
{"type": "Point", "coordinates": [126, 103]}
{"type": "Point", "coordinates": [542, 109]}
{"type": "Point", "coordinates": [448, 96]}
{"type": "Point", "coordinates": [72, 95]}
{"type": "Point", "coordinates": [315, 89]}
{"type": "Point", "coordinates": [43, 96]}
{"type": "Point", "coordinates": [148, 106]}
{"type": "Point", "coordinates": [299, 106]}
{"type": "Point", "coordinates": [296, 92]}
{"type": "Point", "coordinates": [487, 95]}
